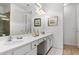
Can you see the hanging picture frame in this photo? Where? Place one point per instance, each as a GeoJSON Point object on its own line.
{"type": "Point", "coordinates": [37, 22]}
{"type": "Point", "coordinates": [53, 21]}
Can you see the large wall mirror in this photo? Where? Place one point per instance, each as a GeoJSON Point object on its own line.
{"type": "Point", "coordinates": [4, 19]}
{"type": "Point", "coordinates": [20, 19]}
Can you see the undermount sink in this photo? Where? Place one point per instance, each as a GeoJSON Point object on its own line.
{"type": "Point", "coordinates": [14, 42]}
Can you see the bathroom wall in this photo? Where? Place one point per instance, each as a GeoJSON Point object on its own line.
{"type": "Point", "coordinates": [70, 24]}
{"type": "Point", "coordinates": [78, 25]}
{"type": "Point", "coordinates": [52, 10]}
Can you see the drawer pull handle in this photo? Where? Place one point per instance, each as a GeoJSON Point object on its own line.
{"type": "Point", "coordinates": [34, 44]}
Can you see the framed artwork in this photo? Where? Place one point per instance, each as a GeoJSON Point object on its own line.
{"type": "Point", "coordinates": [37, 22]}
{"type": "Point", "coordinates": [53, 21]}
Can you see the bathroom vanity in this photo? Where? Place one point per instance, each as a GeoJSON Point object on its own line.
{"type": "Point", "coordinates": [28, 45]}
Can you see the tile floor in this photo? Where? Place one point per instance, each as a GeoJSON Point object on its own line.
{"type": "Point", "coordinates": [70, 50]}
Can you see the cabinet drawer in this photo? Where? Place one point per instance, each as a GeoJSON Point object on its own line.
{"type": "Point", "coordinates": [40, 40]}
{"type": "Point", "coordinates": [34, 44]}
{"type": "Point", "coordinates": [22, 50]}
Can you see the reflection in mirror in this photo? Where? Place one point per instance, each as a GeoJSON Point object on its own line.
{"type": "Point", "coordinates": [4, 19]}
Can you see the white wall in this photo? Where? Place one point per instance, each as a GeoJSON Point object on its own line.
{"type": "Point", "coordinates": [70, 24]}
{"type": "Point", "coordinates": [78, 25]}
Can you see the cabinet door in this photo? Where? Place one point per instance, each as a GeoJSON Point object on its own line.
{"type": "Point", "coordinates": [32, 52]}
{"type": "Point", "coordinates": [7, 53]}
{"type": "Point", "coordinates": [22, 50]}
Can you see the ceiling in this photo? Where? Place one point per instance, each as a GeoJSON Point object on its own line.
{"type": "Point", "coordinates": [58, 7]}
{"type": "Point", "coordinates": [68, 4]}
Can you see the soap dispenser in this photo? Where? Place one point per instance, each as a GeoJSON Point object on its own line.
{"type": "Point", "coordinates": [33, 32]}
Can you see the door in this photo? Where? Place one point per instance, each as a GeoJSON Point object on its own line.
{"type": "Point", "coordinates": [70, 24]}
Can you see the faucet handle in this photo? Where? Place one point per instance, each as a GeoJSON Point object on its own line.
{"type": "Point", "coordinates": [19, 37]}
{"type": "Point", "coordinates": [10, 38]}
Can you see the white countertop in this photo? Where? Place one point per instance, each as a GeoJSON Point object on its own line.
{"type": "Point", "coordinates": [4, 46]}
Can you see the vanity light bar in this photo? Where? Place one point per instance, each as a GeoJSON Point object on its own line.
{"type": "Point", "coordinates": [4, 19]}
{"type": "Point", "coordinates": [2, 16]}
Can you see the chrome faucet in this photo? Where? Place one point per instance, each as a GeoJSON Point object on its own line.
{"type": "Point", "coordinates": [10, 38]}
